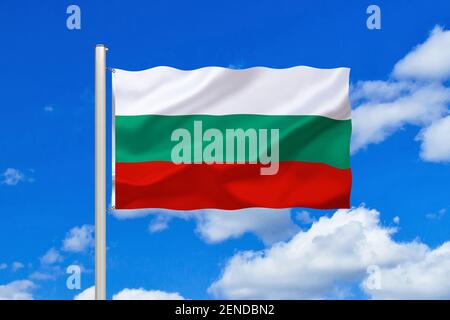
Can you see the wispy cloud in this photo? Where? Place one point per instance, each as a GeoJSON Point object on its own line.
{"type": "Point", "coordinates": [52, 256]}
{"type": "Point", "coordinates": [49, 108]}
{"type": "Point", "coordinates": [17, 290]}
{"type": "Point", "coordinates": [437, 215]}
{"type": "Point", "coordinates": [79, 239]}
{"type": "Point", "coordinates": [213, 226]}
{"type": "Point", "coordinates": [16, 265]}
{"type": "Point", "coordinates": [12, 177]}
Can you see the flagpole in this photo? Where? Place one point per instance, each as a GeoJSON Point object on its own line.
{"type": "Point", "coordinates": [100, 172]}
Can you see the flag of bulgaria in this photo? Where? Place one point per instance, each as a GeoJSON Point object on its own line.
{"type": "Point", "coordinates": [231, 139]}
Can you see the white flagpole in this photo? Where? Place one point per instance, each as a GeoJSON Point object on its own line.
{"type": "Point", "coordinates": [100, 172]}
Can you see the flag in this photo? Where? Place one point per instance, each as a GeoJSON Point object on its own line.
{"type": "Point", "coordinates": [230, 139]}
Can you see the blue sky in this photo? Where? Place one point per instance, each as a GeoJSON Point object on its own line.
{"type": "Point", "coordinates": [47, 132]}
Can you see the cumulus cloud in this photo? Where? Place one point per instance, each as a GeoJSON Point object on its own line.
{"type": "Point", "coordinates": [328, 259]}
{"type": "Point", "coordinates": [132, 294]}
{"type": "Point", "coordinates": [429, 60]}
{"type": "Point", "coordinates": [436, 141]}
{"type": "Point", "coordinates": [52, 256]}
{"type": "Point", "coordinates": [416, 94]}
{"type": "Point", "coordinates": [17, 290]}
{"type": "Point", "coordinates": [424, 278]}
{"type": "Point", "coordinates": [79, 239]}
{"type": "Point", "coordinates": [213, 226]}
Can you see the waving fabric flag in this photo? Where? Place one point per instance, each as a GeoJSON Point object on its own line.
{"type": "Point", "coordinates": [229, 139]}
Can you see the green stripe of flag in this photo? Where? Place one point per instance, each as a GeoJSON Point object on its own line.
{"type": "Point", "coordinates": [302, 138]}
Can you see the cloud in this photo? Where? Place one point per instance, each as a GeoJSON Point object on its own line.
{"type": "Point", "coordinates": [435, 141]}
{"type": "Point", "coordinates": [396, 219]}
{"type": "Point", "coordinates": [159, 223]}
{"type": "Point", "coordinates": [79, 239]}
{"type": "Point", "coordinates": [87, 294]}
{"type": "Point", "coordinates": [304, 217]}
{"type": "Point", "coordinates": [429, 60]}
{"type": "Point", "coordinates": [437, 215]}
{"type": "Point", "coordinates": [16, 266]}
{"type": "Point", "coordinates": [425, 278]}
{"type": "Point", "coordinates": [3, 266]}
{"type": "Point", "coordinates": [42, 276]}
{"type": "Point", "coordinates": [17, 290]}
{"type": "Point", "coordinates": [270, 225]}
{"type": "Point", "coordinates": [142, 294]}
{"type": "Point", "coordinates": [49, 108]}
{"type": "Point", "coordinates": [416, 94]}
{"type": "Point", "coordinates": [12, 177]}
{"type": "Point", "coordinates": [328, 260]}
{"type": "Point", "coordinates": [380, 91]}
{"type": "Point", "coordinates": [52, 256]}
{"type": "Point", "coordinates": [213, 226]}
{"type": "Point", "coordinates": [374, 121]}
{"type": "Point", "coordinates": [132, 214]}
{"type": "Point", "coordinates": [132, 294]}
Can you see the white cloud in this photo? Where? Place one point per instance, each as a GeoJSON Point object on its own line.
{"type": "Point", "coordinates": [425, 278]}
{"type": "Point", "coordinates": [429, 60]}
{"type": "Point", "coordinates": [12, 177]}
{"type": "Point", "coordinates": [380, 91]}
{"type": "Point", "coordinates": [436, 141]}
{"type": "Point", "coordinates": [327, 260]}
{"type": "Point", "coordinates": [132, 294]}
{"type": "Point", "coordinates": [52, 256]}
{"type": "Point", "coordinates": [270, 225]}
{"type": "Point", "coordinates": [79, 239]}
{"type": "Point", "coordinates": [396, 219]}
{"type": "Point", "coordinates": [373, 122]}
{"type": "Point", "coordinates": [16, 265]}
{"type": "Point", "coordinates": [142, 294]}
{"type": "Point", "coordinates": [132, 214]}
{"type": "Point", "coordinates": [87, 294]}
{"type": "Point", "coordinates": [17, 290]}
{"type": "Point", "coordinates": [415, 95]}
